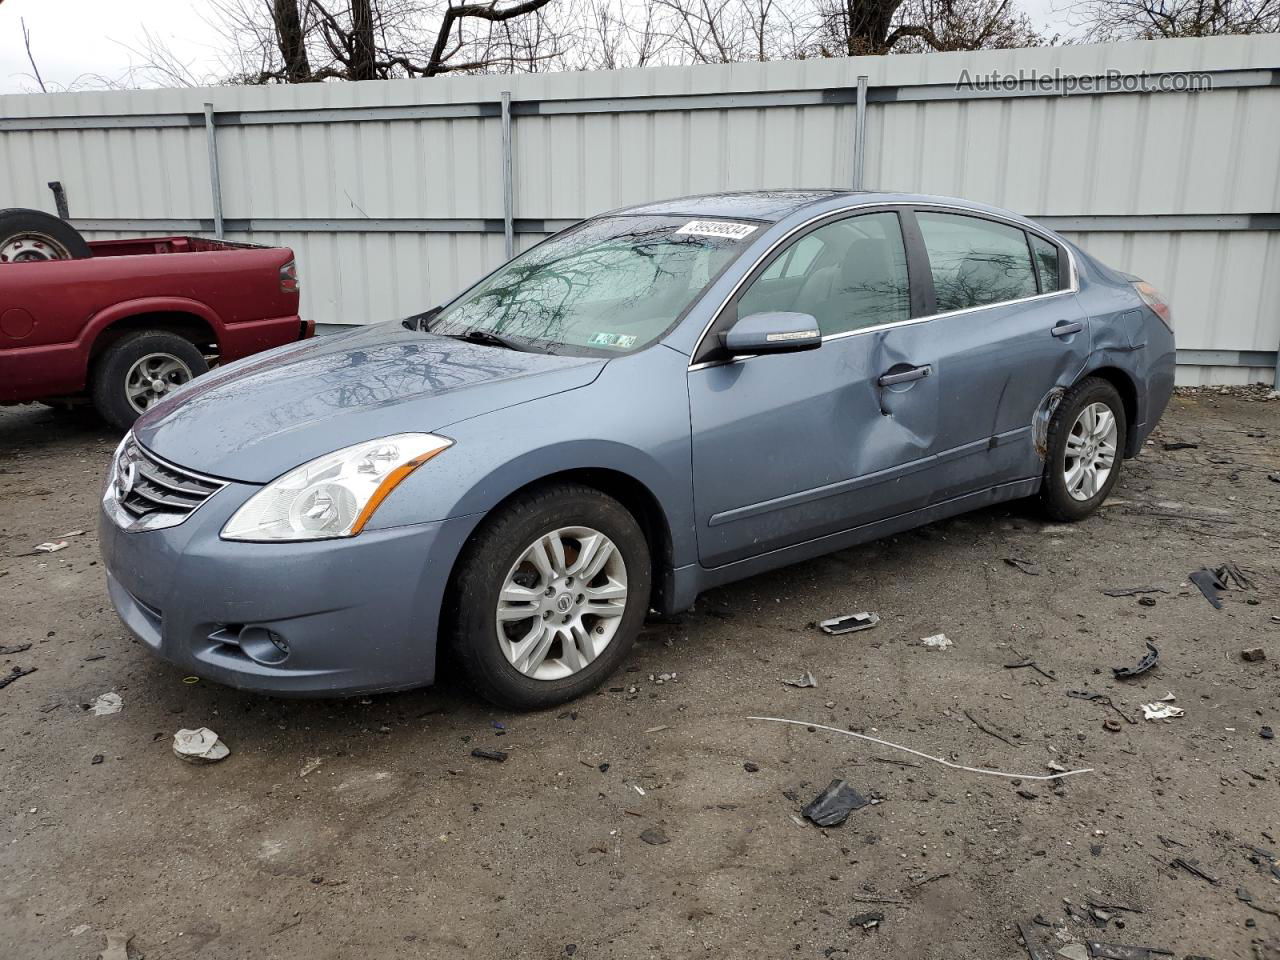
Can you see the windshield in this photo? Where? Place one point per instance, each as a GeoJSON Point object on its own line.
{"type": "Point", "coordinates": [609, 286]}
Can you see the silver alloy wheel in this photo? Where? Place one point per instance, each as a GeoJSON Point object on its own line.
{"type": "Point", "coordinates": [561, 603]}
{"type": "Point", "coordinates": [1091, 451]}
{"type": "Point", "coordinates": [152, 377]}
{"type": "Point", "coordinates": [30, 247]}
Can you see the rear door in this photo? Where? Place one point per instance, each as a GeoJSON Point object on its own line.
{"type": "Point", "coordinates": [793, 447]}
{"type": "Point", "coordinates": [1006, 331]}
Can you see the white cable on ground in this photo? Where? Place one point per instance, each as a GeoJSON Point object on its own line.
{"type": "Point", "coordinates": [925, 756]}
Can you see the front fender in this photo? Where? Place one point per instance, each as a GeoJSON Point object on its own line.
{"type": "Point", "coordinates": [633, 420]}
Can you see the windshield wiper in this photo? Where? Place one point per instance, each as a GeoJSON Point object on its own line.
{"type": "Point", "coordinates": [486, 338]}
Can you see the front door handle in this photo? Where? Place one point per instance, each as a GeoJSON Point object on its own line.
{"type": "Point", "coordinates": [906, 376]}
{"type": "Point", "coordinates": [1064, 328]}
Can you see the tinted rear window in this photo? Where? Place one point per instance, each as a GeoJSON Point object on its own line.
{"type": "Point", "coordinates": [1047, 258]}
{"type": "Point", "coordinates": [976, 262]}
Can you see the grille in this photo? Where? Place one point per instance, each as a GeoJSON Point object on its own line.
{"type": "Point", "coordinates": [147, 486]}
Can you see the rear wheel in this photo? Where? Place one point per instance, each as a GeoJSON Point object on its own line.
{"type": "Point", "coordinates": [549, 596]}
{"type": "Point", "coordinates": [28, 236]}
{"type": "Point", "coordinates": [1086, 444]}
{"type": "Point", "coordinates": [139, 370]}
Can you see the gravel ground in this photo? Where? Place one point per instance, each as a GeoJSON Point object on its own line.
{"type": "Point", "coordinates": [365, 825]}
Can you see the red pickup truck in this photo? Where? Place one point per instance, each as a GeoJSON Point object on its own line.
{"type": "Point", "coordinates": [122, 322]}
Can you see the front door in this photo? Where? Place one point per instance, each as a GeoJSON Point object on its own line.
{"type": "Point", "coordinates": [792, 447]}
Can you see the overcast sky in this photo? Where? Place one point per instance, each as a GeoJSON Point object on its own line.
{"type": "Point", "coordinates": [73, 39]}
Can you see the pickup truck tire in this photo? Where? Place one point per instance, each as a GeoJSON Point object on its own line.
{"type": "Point", "coordinates": [138, 370]}
{"type": "Point", "coordinates": [33, 235]}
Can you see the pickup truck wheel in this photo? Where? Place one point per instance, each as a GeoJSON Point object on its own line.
{"type": "Point", "coordinates": [549, 596]}
{"type": "Point", "coordinates": [139, 370]}
{"type": "Point", "coordinates": [33, 235]}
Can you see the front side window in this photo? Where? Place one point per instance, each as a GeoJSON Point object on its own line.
{"type": "Point", "coordinates": [610, 286]}
{"type": "Point", "coordinates": [855, 276]}
{"type": "Point", "coordinates": [1046, 254]}
{"type": "Point", "coordinates": [976, 262]}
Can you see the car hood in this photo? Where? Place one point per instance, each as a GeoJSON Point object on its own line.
{"type": "Point", "coordinates": [254, 419]}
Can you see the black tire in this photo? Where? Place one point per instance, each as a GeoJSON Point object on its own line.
{"type": "Point", "coordinates": [110, 373]}
{"type": "Point", "coordinates": [469, 628]}
{"type": "Point", "coordinates": [51, 238]}
{"type": "Point", "coordinates": [1055, 500]}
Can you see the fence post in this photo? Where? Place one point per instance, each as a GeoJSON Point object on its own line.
{"type": "Point", "coordinates": [508, 191]}
{"type": "Point", "coordinates": [860, 134]}
{"type": "Point", "coordinates": [215, 181]}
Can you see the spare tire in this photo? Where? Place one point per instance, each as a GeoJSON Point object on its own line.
{"type": "Point", "coordinates": [33, 235]}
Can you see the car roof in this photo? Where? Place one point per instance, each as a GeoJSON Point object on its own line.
{"type": "Point", "coordinates": [775, 205]}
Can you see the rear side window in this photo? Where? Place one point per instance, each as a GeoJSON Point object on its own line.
{"type": "Point", "coordinates": [1046, 255]}
{"type": "Point", "coordinates": [976, 262]}
{"type": "Point", "coordinates": [855, 276]}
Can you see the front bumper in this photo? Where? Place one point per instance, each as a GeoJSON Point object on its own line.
{"type": "Point", "coordinates": [355, 615]}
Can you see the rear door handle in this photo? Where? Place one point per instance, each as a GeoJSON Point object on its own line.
{"type": "Point", "coordinates": [1064, 328]}
{"type": "Point", "coordinates": [906, 376]}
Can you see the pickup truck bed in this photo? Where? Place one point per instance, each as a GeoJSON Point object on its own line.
{"type": "Point", "coordinates": [139, 317]}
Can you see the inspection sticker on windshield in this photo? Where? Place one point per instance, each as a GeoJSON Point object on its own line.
{"type": "Point", "coordinates": [622, 341]}
{"type": "Point", "coordinates": [717, 228]}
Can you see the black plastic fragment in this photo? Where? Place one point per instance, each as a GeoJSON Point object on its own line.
{"type": "Point", "coordinates": [497, 755]}
{"type": "Point", "coordinates": [1181, 445]}
{"type": "Point", "coordinates": [1132, 591]}
{"type": "Point", "coordinates": [17, 648]}
{"type": "Point", "coordinates": [833, 805]}
{"type": "Point", "coordinates": [868, 920]}
{"type": "Point", "coordinates": [1029, 567]}
{"type": "Point", "coordinates": [17, 673]}
{"type": "Point", "coordinates": [850, 623]}
{"type": "Point", "coordinates": [1210, 585]}
{"type": "Point", "coordinates": [1142, 666]}
{"type": "Point", "coordinates": [1035, 949]}
{"type": "Point", "coordinates": [1192, 867]}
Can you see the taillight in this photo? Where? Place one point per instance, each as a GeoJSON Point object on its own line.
{"type": "Point", "coordinates": [1152, 298]}
{"type": "Point", "coordinates": [289, 277]}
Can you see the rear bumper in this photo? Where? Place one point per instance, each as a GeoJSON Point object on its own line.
{"type": "Point", "coordinates": [239, 340]}
{"type": "Point", "coordinates": [353, 616]}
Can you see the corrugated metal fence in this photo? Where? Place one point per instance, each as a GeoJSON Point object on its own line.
{"type": "Point", "coordinates": [1162, 157]}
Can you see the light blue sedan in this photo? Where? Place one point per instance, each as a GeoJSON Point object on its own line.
{"type": "Point", "coordinates": [653, 402]}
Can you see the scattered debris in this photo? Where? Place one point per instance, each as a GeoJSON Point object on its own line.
{"type": "Point", "coordinates": [751, 767]}
{"type": "Point", "coordinates": [1116, 951]}
{"type": "Point", "coordinates": [1253, 654]}
{"type": "Point", "coordinates": [1161, 711]}
{"type": "Point", "coordinates": [937, 642]}
{"type": "Point", "coordinates": [805, 679]}
{"type": "Point", "coordinates": [1026, 794]}
{"type": "Point", "coordinates": [988, 729]}
{"type": "Point", "coordinates": [1274, 477]}
{"type": "Point", "coordinates": [1210, 585]}
{"type": "Point", "coordinates": [1146, 601]}
{"type": "Point", "coordinates": [1112, 724]}
{"type": "Point", "coordinates": [106, 704]}
{"type": "Point", "coordinates": [1267, 733]}
{"type": "Point", "coordinates": [1192, 867]}
{"type": "Point", "coordinates": [201, 745]}
{"type": "Point", "coordinates": [97, 758]}
{"type": "Point", "coordinates": [867, 921]}
{"type": "Point", "coordinates": [311, 766]}
{"type": "Point", "coordinates": [1180, 445]}
{"type": "Point", "coordinates": [654, 836]}
{"type": "Point", "coordinates": [1142, 666]}
{"type": "Point", "coordinates": [657, 729]}
{"type": "Point", "coordinates": [1034, 948]}
{"type": "Point", "coordinates": [1028, 662]}
{"type": "Point", "coordinates": [1230, 573]}
{"type": "Point", "coordinates": [833, 805]}
{"type": "Point", "coordinates": [850, 623]}
{"type": "Point", "coordinates": [17, 673]}
{"type": "Point", "coordinates": [1133, 591]}
{"type": "Point", "coordinates": [1101, 698]}
{"type": "Point", "coordinates": [1028, 567]}
{"type": "Point", "coordinates": [50, 546]}
{"type": "Point", "coordinates": [1074, 951]}
{"type": "Point", "coordinates": [1245, 897]}
{"type": "Point", "coordinates": [117, 946]}
{"type": "Point", "coordinates": [17, 648]}
{"type": "Point", "coordinates": [923, 756]}
{"type": "Point", "coordinates": [495, 755]}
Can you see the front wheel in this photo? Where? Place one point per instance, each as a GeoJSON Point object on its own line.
{"type": "Point", "coordinates": [1085, 449]}
{"type": "Point", "coordinates": [549, 596]}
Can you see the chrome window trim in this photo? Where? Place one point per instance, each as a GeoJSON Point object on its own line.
{"type": "Point", "coordinates": [867, 207]}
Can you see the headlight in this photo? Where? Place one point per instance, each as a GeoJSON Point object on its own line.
{"type": "Point", "coordinates": [333, 495]}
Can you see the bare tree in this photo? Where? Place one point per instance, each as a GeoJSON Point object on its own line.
{"type": "Point", "coordinates": [291, 40]}
{"type": "Point", "coordinates": [26, 42]}
{"type": "Point", "coordinates": [859, 27]}
{"type": "Point", "coordinates": [1104, 20]}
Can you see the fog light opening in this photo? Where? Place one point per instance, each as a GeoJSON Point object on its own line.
{"type": "Point", "coordinates": [263, 645]}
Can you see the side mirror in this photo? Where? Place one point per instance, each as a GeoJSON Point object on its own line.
{"type": "Point", "coordinates": [773, 332]}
